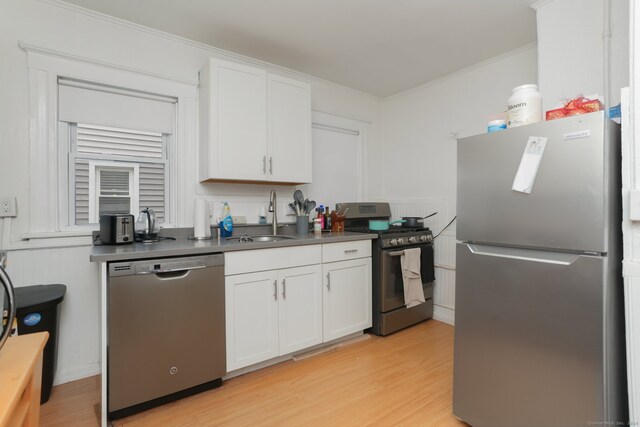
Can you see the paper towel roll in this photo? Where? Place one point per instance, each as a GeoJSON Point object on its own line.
{"type": "Point", "coordinates": [201, 227]}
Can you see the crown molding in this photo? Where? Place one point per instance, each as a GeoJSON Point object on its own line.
{"type": "Point", "coordinates": [466, 70]}
{"type": "Point", "coordinates": [33, 48]}
{"type": "Point", "coordinates": [226, 54]}
{"type": "Point", "coordinates": [540, 3]}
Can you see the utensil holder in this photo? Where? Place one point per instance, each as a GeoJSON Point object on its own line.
{"type": "Point", "coordinates": [302, 224]}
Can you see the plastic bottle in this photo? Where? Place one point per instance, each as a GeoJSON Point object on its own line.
{"type": "Point", "coordinates": [524, 106]}
{"type": "Point", "coordinates": [262, 216]}
{"type": "Point", "coordinates": [496, 125]}
{"type": "Point", "coordinates": [320, 215]}
{"type": "Point", "coordinates": [226, 221]}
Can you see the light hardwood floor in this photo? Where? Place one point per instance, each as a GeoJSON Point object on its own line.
{"type": "Point", "coordinates": [404, 379]}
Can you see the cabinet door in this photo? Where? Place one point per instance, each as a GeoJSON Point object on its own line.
{"type": "Point", "coordinates": [252, 318]}
{"type": "Point", "coordinates": [238, 122]}
{"type": "Point", "coordinates": [289, 130]}
{"type": "Point", "coordinates": [347, 297]}
{"type": "Point", "coordinates": [300, 308]}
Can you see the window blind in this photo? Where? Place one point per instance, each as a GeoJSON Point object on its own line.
{"type": "Point", "coordinates": [83, 102]}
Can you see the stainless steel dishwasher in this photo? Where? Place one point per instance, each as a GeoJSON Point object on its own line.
{"type": "Point", "coordinates": [166, 331]}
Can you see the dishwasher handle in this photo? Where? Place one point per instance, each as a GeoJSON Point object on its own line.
{"type": "Point", "coordinates": [172, 273]}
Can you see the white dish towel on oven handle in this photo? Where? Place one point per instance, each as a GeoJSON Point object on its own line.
{"type": "Point", "coordinates": [410, 264]}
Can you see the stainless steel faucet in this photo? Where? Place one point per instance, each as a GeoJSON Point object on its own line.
{"type": "Point", "coordinates": [273, 205]}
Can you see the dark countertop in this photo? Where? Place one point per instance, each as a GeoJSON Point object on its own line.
{"type": "Point", "coordinates": [182, 246]}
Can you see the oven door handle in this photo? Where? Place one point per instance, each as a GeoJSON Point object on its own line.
{"type": "Point", "coordinates": [395, 253]}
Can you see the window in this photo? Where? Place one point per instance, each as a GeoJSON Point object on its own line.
{"type": "Point", "coordinates": [120, 164]}
{"type": "Point", "coordinates": [116, 170]}
{"type": "Point", "coordinates": [112, 188]}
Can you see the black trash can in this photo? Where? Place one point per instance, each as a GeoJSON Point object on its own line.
{"type": "Point", "coordinates": [38, 310]}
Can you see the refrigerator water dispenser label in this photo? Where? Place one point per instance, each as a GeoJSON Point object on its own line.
{"type": "Point", "coordinates": [529, 164]}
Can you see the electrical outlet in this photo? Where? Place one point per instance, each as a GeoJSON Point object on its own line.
{"type": "Point", "coordinates": [8, 207]}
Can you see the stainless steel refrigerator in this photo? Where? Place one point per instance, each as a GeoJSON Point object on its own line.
{"type": "Point", "coordinates": [539, 317]}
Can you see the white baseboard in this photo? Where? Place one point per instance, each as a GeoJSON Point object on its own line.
{"type": "Point", "coordinates": [444, 314]}
{"type": "Point", "coordinates": [76, 373]}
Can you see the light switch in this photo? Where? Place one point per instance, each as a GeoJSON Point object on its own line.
{"type": "Point", "coordinates": [634, 205]}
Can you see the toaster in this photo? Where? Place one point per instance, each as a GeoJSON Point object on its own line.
{"type": "Point", "coordinates": [116, 229]}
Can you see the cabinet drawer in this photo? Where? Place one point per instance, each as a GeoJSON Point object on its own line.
{"type": "Point", "coordinates": [271, 259]}
{"type": "Point", "coordinates": [332, 252]}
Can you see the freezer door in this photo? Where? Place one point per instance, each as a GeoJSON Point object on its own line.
{"type": "Point", "coordinates": [565, 210]}
{"type": "Point", "coordinates": [528, 338]}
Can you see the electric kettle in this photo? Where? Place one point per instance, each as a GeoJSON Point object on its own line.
{"type": "Point", "coordinates": [146, 226]}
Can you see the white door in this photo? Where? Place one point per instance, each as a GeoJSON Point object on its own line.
{"type": "Point", "coordinates": [337, 166]}
{"type": "Point", "coordinates": [239, 94]}
{"type": "Point", "coordinates": [347, 297]}
{"type": "Point", "coordinates": [300, 308]}
{"type": "Point", "coordinates": [251, 318]}
{"type": "Point", "coordinates": [289, 130]}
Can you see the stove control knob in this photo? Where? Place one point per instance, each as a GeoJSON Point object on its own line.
{"type": "Point", "coordinates": [424, 238]}
{"type": "Point", "coordinates": [401, 241]}
{"type": "Point", "coordinates": [393, 242]}
{"type": "Point", "coordinates": [413, 239]}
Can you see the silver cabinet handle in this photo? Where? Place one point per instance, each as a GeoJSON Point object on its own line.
{"type": "Point", "coordinates": [284, 289]}
{"type": "Point", "coordinates": [264, 165]}
{"type": "Point", "coordinates": [271, 165]}
{"type": "Point", "coordinates": [350, 251]}
{"type": "Point", "coordinates": [275, 290]}
{"type": "Point", "coordinates": [328, 281]}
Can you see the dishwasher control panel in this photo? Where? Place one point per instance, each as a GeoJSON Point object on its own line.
{"type": "Point", "coordinates": [164, 265]}
{"type": "Point", "coordinates": [167, 266]}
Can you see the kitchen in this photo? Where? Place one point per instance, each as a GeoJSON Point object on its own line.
{"type": "Point", "coordinates": [413, 125]}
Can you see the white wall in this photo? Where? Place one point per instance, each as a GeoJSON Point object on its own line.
{"type": "Point", "coordinates": [75, 33]}
{"type": "Point", "coordinates": [631, 229]}
{"type": "Point", "coordinates": [420, 131]}
{"type": "Point", "coordinates": [583, 49]}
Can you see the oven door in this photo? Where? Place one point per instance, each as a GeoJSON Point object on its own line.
{"type": "Point", "coordinates": [391, 289]}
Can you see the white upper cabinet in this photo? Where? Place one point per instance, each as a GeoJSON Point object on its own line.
{"type": "Point", "coordinates": [254, 126]}
{"type": "Point", "coordinates": [289, 129]}
{"type": "Point", "coordinates": [233, 121]}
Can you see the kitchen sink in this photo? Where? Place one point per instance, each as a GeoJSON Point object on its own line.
{"type": "Point", "coordinates": [261, 238]}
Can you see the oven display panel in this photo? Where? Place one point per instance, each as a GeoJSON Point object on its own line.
{"type": "Point", "coordinates": [367, 209]}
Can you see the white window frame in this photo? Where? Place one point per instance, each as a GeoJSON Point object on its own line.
{"type": "Point", "coordinates": [94, 186]}
{"type": "Point", "coordinates": [49, 162]}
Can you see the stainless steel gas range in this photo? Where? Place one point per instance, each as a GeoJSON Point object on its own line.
{"type": "Point", "coordinates": [389, 311]}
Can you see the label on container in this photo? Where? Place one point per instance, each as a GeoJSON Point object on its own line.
{"type": "Point", "coordinates": [524, 111]}
{"type": "Point", "coordinates": [32, 319]}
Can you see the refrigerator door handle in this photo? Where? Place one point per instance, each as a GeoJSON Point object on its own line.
{"type": "Point", "coordinates": [523, 254]}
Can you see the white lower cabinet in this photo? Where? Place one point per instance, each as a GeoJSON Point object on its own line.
{"type": "Point", "coordinates": [272, 313]}
{"type": "Point", "coordinates": [282, 300]}
{"type": "Point", "coordinates": [346, 297]}
{"type": "Point", "coordinates": [251, 318]}
{"type": "Point", "coordinates": [300, 311]}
